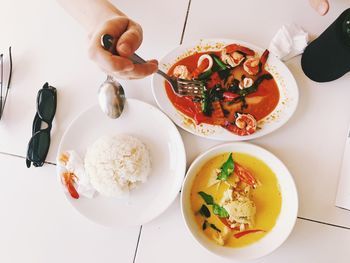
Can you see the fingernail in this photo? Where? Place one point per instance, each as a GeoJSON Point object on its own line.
{"type": "Point", "coordinates": [322, 8]}
{"type": "Point", "coordinates": [153, 61]}
{"type": "Point", "coordinates": [125, 48]}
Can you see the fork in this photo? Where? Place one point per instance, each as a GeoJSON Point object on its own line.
{"type": "Point", "coordinates": [182, 87]}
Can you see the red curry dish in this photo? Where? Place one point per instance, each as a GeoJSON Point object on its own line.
{"type": "Point", "coordinates": [238, 92]}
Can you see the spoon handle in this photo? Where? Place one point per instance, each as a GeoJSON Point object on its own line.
{"type": "Point", "coordinates": [108, 43]}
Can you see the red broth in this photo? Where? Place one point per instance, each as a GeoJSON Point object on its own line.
{"type": "Point", "coordinates": [260, 103]}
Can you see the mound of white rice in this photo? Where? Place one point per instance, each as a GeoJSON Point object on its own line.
{"type": "Point", "coordinates": [116, 164]}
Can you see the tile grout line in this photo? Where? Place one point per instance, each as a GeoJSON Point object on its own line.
{"type": "Point", "coordinates": [138, 240]}
{"type": "Point", "coordinates": [137, 244]}
{"type": "Point", "coordinates": [185, 23]}
{"type": "Point", "coordinates": [22, 157]}
{"type": "Point", "coordinates": [323, 223]}
{"type": "Point", "coordinates": [13, 155]}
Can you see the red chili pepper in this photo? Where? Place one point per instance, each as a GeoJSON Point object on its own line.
{"type": "Point", "coordinates": [214, 79]}
{"type": "Point", "coordinates": [184, 109]}
{"type": "Point", "coordinates": [264, 57]}
{"type": "Point", "coordinates": [245, 175]}
{"type": "Point", "coordinates": [228, 96]}
{"type": "Point", "coordinates": [243, 233]}
{"type": "Point", "coordinates": [235, 47]}
{"type": "Point", "coordinates": [226, 223]}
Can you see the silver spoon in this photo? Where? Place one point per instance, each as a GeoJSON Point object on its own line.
{"type": "Point", "coordinates": [111, 95]}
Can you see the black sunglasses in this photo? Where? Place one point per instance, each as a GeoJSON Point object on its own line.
{"type": "Point", "coordinates": [39, 144]}
{"type": "Point", "coordinates": [4, 91]}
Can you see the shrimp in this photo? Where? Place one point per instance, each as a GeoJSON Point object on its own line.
{"type": "Point", "coordinates": [68, 179]}
{"type": "Point", "coordinates": [181, 71]}
{"type": "Point", "coordinates": [253, 65]}
{"type": "Point", "coordinates": [246, 83]}
{"type": "Point", "coordinates": [234, 54]}
{"type": "Point", "coordinates": [233, 59]}
{"type": "Point", "coordinates": [235, 47]}
{"type": "Point", "coordinates": [245, 124]}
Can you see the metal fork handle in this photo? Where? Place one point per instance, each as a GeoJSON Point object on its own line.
{"type": "Point", "coordinates": [108, 42]}
{"type": "Point", "coordinates": [138, 60]}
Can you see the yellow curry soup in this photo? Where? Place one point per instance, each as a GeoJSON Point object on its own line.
{"type": "Point", "coordinates": [262, 197]}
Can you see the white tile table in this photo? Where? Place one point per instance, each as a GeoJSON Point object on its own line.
{"type": "Point", "coordinates": [39, 225]}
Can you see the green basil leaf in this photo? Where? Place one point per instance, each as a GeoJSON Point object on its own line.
{"type": "Point", "coordinates": [254, 87]}
{"type": "Point", "coordinates": [206, 104]}
{"type": "Point", "coordinates": [205, 224]}
{"type": "Point", "coordinates": [215, 228]}
{"type": "Point", "coordinates": [208, 199]}
{"type": "Point", "coordinates": [220, 211]}
{"type": "Point", "coordinates": [226, 169]}
{"type": "Point", "coordinates": [204, 211]}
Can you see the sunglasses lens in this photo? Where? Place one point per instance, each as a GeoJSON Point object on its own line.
{"type": "Point", "coordinates": [38, 147]}
{"type": "Point", "coordinates": [46, 104]}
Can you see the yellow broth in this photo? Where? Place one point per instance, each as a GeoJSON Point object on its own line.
{"type": "Point", "coordinates": [266, 196]}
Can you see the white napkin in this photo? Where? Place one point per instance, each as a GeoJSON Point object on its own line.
{"type": "Point", "coordinates": [289, 41]}
{"type": "Point", "coordinates": [343, 192]}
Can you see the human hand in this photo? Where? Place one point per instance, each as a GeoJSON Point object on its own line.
{"type": "Point", "coordinates": [321, 6]}
{"type": "Point", "coordinates": [128, 36]}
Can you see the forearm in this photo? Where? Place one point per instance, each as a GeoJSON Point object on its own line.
{"type": "Point", "coordinates": [89, 13]}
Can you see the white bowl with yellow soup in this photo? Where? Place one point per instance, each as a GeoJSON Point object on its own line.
{"type": "Point", "coordinates": [239, 201]}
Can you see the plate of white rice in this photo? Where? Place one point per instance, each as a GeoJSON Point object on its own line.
{"type": "Point", "coordinates": [136, 163]}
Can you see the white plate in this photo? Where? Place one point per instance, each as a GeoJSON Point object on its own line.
{"type": "Point", "coordinates": [286, 218]}
{"type": "Point", "coordinates": [168, 159]}
{"type": "Point", "coordinates": [286, 83]}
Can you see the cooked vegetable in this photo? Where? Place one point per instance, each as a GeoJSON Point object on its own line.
{"type": "Point", "coordinates": [205, 75]}
{"type": "Point", "coordinates": [204, 211]}
{"type": "Point", "coordinates": [246, 232]}
{"type": "Point", "coordinates": [254, 87]}
{"type": "Point", "coordinates": [206, 104]}
{"type": "Point", "coordinates": [217, 209]}
{"type": "Point", "coordinates": [219, 64]}
{"type": "Point", "coordinates": [220, 211]}
{"type": "Point", "coordinates": [215, 228]}
{"type": "Point", "coordinates": [230, 75]}
{"type": "Point", "coordinates": [226, 169]}
{"type": "Point", "coordinates": [208, 199]}
{"type": "Point", "coordinates": [206, 223]}
{"type": "Point", "coordinates": [239, 206]}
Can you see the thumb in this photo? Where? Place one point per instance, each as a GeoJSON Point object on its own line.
{"type": "Point", "coordinates": [321, 6]}
{"type": "Point", "coordinates": [130, 40]}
